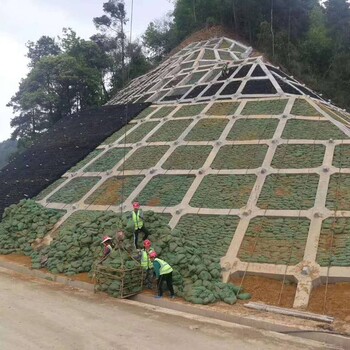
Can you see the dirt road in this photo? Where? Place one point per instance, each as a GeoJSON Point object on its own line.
{"type": "Point", "coordinates": [37, 314]}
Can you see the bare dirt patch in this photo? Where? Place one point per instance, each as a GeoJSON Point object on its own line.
{"type": "Point", "coordinates": [267, 290]}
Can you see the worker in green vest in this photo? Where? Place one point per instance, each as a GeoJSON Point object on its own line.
{"type": "Point", "coordinates": [146, 263]}
{"type": "Point", "coordinates": [163, 272]}
{"type": "Point", "coordinates": [139, 225]}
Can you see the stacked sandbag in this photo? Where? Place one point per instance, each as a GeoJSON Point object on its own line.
{"type": "Point", "coordinates": [78, 246]}
{"type": "Point", "coordinates": [23, 223]}
{"type": "Point", "coordinates": [120, 275]}
{"type": "Point", "coordinates": [197, 274]}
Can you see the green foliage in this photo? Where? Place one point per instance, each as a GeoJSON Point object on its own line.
{"type": "Point", "coordinates": [7, 148]}
{"type": "Point", "coordinates": [272, 240]}
{"type": "Point", "coordinates": [240, 157]}
{"type": "Point", "coordinates": [223, 191]}
{"type": "Point", "coordinates": [165, 190]}
{"type": "Point", "coordinates": [187, 157]}
{"type": "Point", "coordinates": [74, 190]}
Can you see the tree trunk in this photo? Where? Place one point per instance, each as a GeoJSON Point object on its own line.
{"type": "Point", "coordinates": [272, 32]}
{"type": "Point", "coordinates": [194, 11]}
{"type": "Point", "coordinates": [123, 51]}
{"type": "Point", "coordinates": [289, 30]}
{"type": "Point", "coordinates": [234, 11]}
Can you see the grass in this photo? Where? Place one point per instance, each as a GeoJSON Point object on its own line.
{"type": "Point", "coordinates": [117, 135]}
{"type": "Point", "coordinates": [207, 130]}
{"type": "Point", "coordinates": [50, 188]}
{"type": "Point", "coordinates": [298, 156]}
{"type": "Point", "coordinates": [114, 190]}
{"type": "Point", "coordinates": [268, 107]}
{"type": "Point", "coordinates": [223, 191]}
{"type": "Point", "coordinates": [289, 191]}
{"type": "Point", "coordinates": [189, 110]}
{"type": "Point", "coordinates": [170, 131]}
{"type": "Point", "coordinates": [108, 160]}
{"type": "Point", "coordinates": [223, 108]}
{"type": "Point", "coordinates": [139, 133]}
{"type": "Point", "coordinates": [253, 129]}
{"type": "Point", "coordinates": [74, 190]}
{"type": "Point", "coordinates": [187, 157]}
{"type": "Point", "coordinates": [302, 107]}
{"type": "Point", "coordinates": [144, 158]}
{"type": "Point", "coordinates": [338, 196]}
{"type": "Point", "coordinates": [165, 190]}
{"type": "Point", "coordinates": [240, 157]}
{"type": "Point", "coordinates": [312, 130]}
{"type": "Point", "coordinates": [341, 158]}
{"type": "Point", "coordinates": [86, 160]}
{"type": "Point", "coordinates": [273, 240]}
{"type": "Point", "coordinates": [163, 112]}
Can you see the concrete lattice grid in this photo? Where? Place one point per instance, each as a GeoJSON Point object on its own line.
{"type": "Point", "coordinates": [305, 270]}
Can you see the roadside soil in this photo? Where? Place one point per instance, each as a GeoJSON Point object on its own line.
{"type": "Point", "coordinates": [265, 290]}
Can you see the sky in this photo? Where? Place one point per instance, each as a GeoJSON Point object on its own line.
{"type": "Point", "coordinates": [24, 20]}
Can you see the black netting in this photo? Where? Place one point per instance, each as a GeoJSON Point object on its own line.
{"type": "Point", "coordinates": [195, 91]}
{"type": "Point", "coordinates": [287, 88]}
{"type": "Point", "coordinates": [69, 141]}
{"type": "Point", "coordinates": [213, 89]}
{"type": "Point", "coordinates": [243, 71]}
{"type": "Point", "coordinates": [258, 72]}
{"type": "Point", "coordinates": [231, 88]}
{"type": "Point", "coordinates": [259, 87]}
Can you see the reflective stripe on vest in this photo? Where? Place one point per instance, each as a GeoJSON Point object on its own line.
{"type": "Point", "coordinates": [146, 262]}
{"type": "Point", "coordinates": [138, 222]}
{"type": "Point", "coordinates": [164, 267]}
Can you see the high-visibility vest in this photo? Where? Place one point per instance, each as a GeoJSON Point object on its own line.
{"type": "Point", "coordinates": [164, 267]}
{"type": "Point", "coordinates": [146, 262]}
{"type": "Point", "coordinates": [138, 222]}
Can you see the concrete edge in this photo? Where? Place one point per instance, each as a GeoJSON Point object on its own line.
{"type": "Point", "coordinates": [210, 316]}
{"type": "Point", "coordinates": [321, 336]}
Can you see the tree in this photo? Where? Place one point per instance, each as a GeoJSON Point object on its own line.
{"type": "Point", "coordinates": [159, 38]}
{"type": "Point", "coordinates": [338, 20]}
{"type": "Point", "coordinates": [113, 22]}
{"type": "Point", "coordinates": [317, 48]}
{"type": "Point", "coordinates": [58, 86]}
{"type": "Point", "coordinates": [45, 46]}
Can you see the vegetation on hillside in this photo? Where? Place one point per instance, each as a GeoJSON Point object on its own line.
{"type": "Point", "coordinates": [7, 147]}
{"type": "Point", "coordinates": [69, 74]}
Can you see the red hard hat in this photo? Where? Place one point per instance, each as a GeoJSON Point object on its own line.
{"type": "Point", "coordinates": [153, 255]}
{"type": "Point", "coordinates": [106, 238]}
{"type": "Point", "coordinates": [136, 205]}
{"type": "Point", "coordinates": [147, 243]}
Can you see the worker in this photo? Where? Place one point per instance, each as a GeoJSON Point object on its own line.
{"type": "Point", "coordinates": [139, 225]}
{"type": "Point", "coordinates": [163, 272]}
{"type": "Point", "coordinates": [225, 71]}
{"type": "Point", "coordinates": [107, 243]}
{"type": "Point", "coordinates": [146, 263]}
